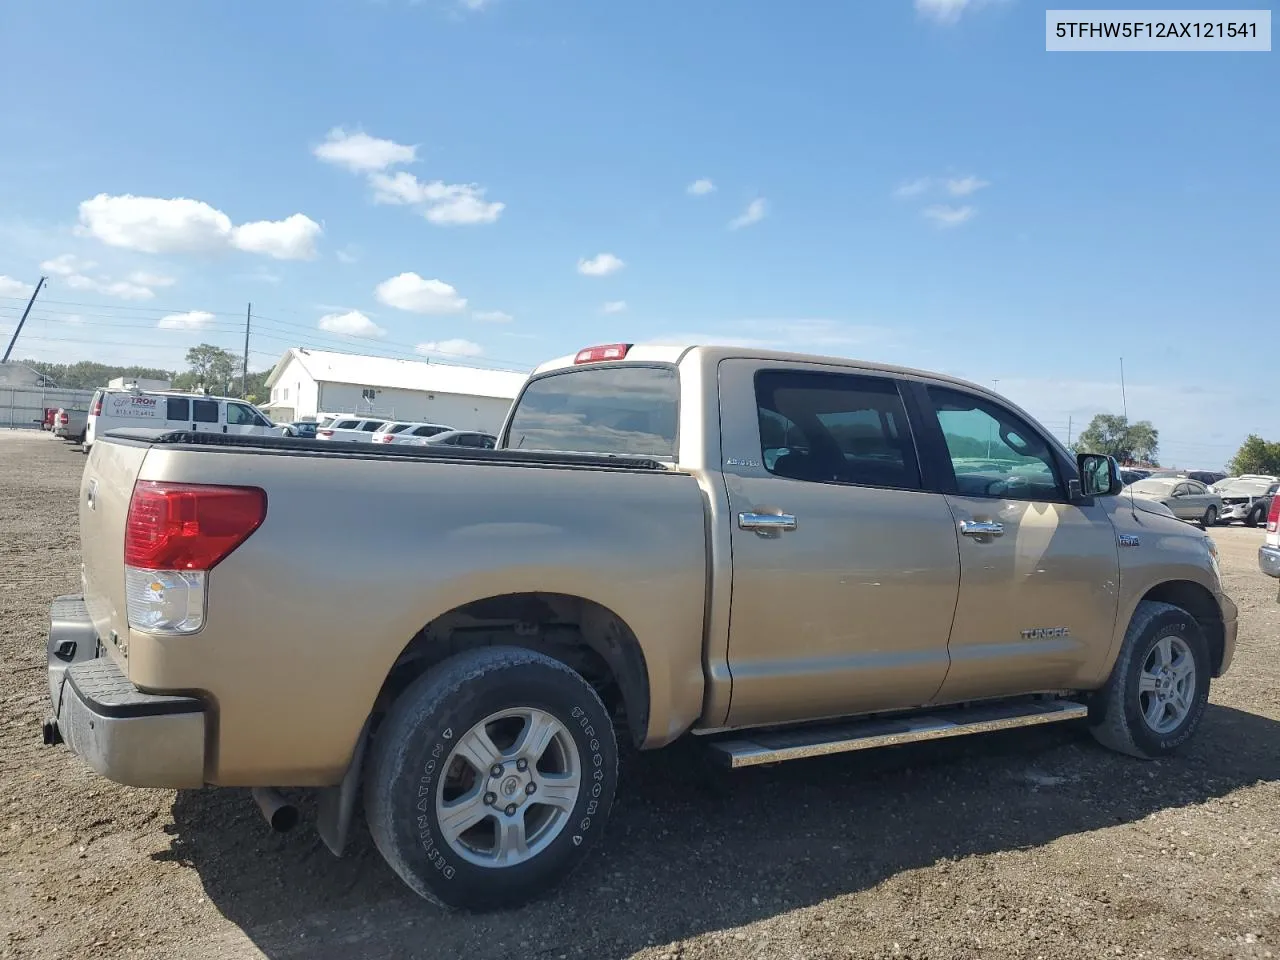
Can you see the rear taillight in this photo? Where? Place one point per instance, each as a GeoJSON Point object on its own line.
{"type": "Point", "coordinates": [174, 534]}
{"type": "Point", "coordinates": [1273, 515]}
{"type": "Point", "coordinates": [64, 419]}
{"type": "Point", "coordinates": [97, 409]}
{"type": "Point", "coordinates": [609, 351]}
{"type": "Point", "coordinates": [382, 438]}
{"type": "Point", "coordinates": [324, 433]}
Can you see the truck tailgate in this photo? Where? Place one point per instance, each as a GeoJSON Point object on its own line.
{"type": "Point", "coordinates": [105, 491]}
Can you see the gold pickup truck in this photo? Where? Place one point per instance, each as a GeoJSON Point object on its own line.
{"type": "Point", "coordinates": [780, 555]}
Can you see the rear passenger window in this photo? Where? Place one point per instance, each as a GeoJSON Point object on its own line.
{"type": "Point", "coordinates": [427, 431]}
{"type": "Point", "coordinates": [178, 408]}
{"type": "Point", "coordinates": [398, 428]}
{"type": "Point", "coordinates": [835, 428]}
{"type": "Point", "coordinates": [204, 411]}
{"type": "Point", "coordinates": [346, 424]}
{"type": "Point", "coordinates": [370, 425]}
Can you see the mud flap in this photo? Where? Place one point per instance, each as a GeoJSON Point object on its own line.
{"type": "Point", "coordinates": [337, 805]}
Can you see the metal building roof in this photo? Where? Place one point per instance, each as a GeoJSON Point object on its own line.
{"type": "Point", "coordinates": [330, 367]}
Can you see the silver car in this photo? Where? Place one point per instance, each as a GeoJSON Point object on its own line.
{"type": "Point", "coordinates": [1188, 499]}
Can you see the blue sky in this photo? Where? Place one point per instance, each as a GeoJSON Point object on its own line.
{"type": "Point", "coordinates": [506, 181]}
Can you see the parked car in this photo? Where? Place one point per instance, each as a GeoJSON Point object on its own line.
{"type": "Point", "coordinates": [412, 431]}
{"type": "Point", "coordinates": [70, 424]}
{"type": "Point", "coordinates": [462, 438]}
{"type": "Point", "coordinates": [352, 429]}
{"type": "Point", "coordinates": [1269, 552]}
{"type": "Point", "coordinates": [1247, 498]}
{"type": "Point", "coordinates": [174, 410]}
{"type": "Point", "coordinates": [1128, 475]}
{"type": "Point", "coordinates": [1187, 499]}
{"type": "Point", "coordinates": [623, 564]}
{"type": "Point", "coordinates": [303, 429]}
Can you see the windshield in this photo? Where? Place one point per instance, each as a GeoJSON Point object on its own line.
{"type": "Point", "coordinates": [623, 410]}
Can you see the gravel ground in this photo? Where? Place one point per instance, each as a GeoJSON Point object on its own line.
{"type": "Point", "coordinates": [1029, 844]}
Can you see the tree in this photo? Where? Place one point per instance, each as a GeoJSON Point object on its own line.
{"type": "Point", "coordinates": [212, 367]}
{"type": "Point", "coordinates": [1256, 456]}
{"type": "Point", "coordinates": [1116, 437]}
{"type": "Point", "coordinates": [88, 375]}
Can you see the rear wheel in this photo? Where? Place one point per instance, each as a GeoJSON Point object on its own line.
{"type": "Point", "coordinates": [1255, 517]}
{"type": "Point", "coordinates": [1158, 689]}
{"type": "Point", "coordinates": [491, 778]}
{"type": "Point", "coordinates": [1210, 518]}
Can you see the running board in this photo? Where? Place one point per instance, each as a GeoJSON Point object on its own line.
{"type": "Point", "coordinates": [775, 746]}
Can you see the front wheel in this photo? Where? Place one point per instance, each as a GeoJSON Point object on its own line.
{"type": "Point", "coordinates": [491, 777]}
{"type": "Point", "coordinates": [1159, 687]}
{"type": "Point", "coordinates": [1210, 518]}
{"type": "Point", "coordinates": [1255, 517]}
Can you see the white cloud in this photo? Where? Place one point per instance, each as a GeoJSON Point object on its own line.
{"type": "Point", "coordinates": [754, 213]}
{"type": "Point", "coordinates": [145, 279]}
{"type": "Point", "coordinates": [408, 291]}
{"type": "Point", "coordinates": [120, 289]}
{"type": "Point", "coordinates": [66, 265]}
{"type": "Point", "coordinates": [353, 323]}
{"type": "Point", "coordinates": [445, 203]}
{"type": "Point", "coordinates": [946, 216]}
{"type": "Point", "coordinates": [475, 5]}
{"type": "Point", "coordinates": [349, 254]}
{"type": "Point", "coordinates": [293, 238]}
{"type": "Point", "coordinates": [941, 11]}
{"type": "Point", "coordinates": [614, 306]}
{"type": "Point", "coordinates": [700, 188]}
{"type": "Point", "coordinates": [456, 347]}
{"type": "Point", "coordinates": [964, 186]}
{"type": "Point", "coordinates": [154, 224]}
{"type": "Point", "coordinates": [182, 225]}
{"type": "Point", "coordinates": [9, 287]}
{"type": "Point", "coordinates": [465, 204]}
{"type": "Point", "coordinates": [601, 265]}
{"type": "Point", "coordinates": [492, 316]}
{"type": "Point", "coordinates": [913, 188]}
{"type": "Point", "coordinates": [191, 320]}
{"type": "Point", "coordinates": [362, 153]}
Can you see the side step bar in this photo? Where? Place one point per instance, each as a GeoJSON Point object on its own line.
{"type": "Point", "coordinates": [775, 746]}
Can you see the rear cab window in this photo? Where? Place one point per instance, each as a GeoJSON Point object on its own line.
{"type": "Point", "coordinates": [625, 410]}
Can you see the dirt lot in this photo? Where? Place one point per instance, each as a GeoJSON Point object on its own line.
{"type": "Point", "coordinates": [1032, 844]}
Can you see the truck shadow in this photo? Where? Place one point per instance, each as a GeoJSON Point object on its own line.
{"type": "Point", "coordinates": [692, 850]}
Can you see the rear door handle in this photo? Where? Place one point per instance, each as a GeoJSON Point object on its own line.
{"type": "Point", "coordinates": [982, 528]}
{"type": "Point", "coordinates": [764, 522]}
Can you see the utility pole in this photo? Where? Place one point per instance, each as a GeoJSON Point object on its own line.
{"type": "Point", "coordinates": [14, 339]}
{"type": "Point", "coordinates": [244, 361]}
{"type": "Point", "coordinates": [1068, 431]}
{"type": "Point", "coordinates": [1124, 403]}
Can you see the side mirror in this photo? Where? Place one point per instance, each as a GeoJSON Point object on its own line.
{"type": "Point", "coordinates": [1099, 475]}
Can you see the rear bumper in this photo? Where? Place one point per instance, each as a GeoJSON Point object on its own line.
{"type": "Point", "coordinates": [1269, 560]}
{"type": "Point", "coordinates": [138, 739]}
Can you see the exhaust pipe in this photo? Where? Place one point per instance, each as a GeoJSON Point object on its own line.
{"type": "Point", "coordinates": [278, 812]}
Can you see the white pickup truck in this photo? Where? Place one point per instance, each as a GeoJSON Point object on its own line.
{"type": "Point", "coordinates": [782, 555]}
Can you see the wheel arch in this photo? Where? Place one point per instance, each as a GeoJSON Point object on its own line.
{"type": "Point", "coordinates": [1203, 606]}
{"type": "Point", "coordinates": [582, 633]}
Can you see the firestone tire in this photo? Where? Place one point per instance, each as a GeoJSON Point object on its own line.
{"type": "Point", "coordinates": [424, 745]}
{"type": "Point", "coordinates": [1118, 715]}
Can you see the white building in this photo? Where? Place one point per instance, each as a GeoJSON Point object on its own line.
{"type": "Point", "coordinates": [306, 383]}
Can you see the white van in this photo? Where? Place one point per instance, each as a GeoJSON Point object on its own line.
{"type": "Point", "coordinates": [168, 410]}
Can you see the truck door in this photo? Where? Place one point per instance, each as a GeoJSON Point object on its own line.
{"type": "Point", "coordinates": [845, 569]}
{"type": "Point", "coordinates": [1038, 574]}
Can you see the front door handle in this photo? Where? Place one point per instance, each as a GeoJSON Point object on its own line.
{"type": "Point", "coordinates": [766, 522]}
{"type": "Point", "coordinates": [982, 528]}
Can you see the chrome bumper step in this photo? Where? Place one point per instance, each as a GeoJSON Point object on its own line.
{"type": "Point", "coordinates": [774, 746]}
